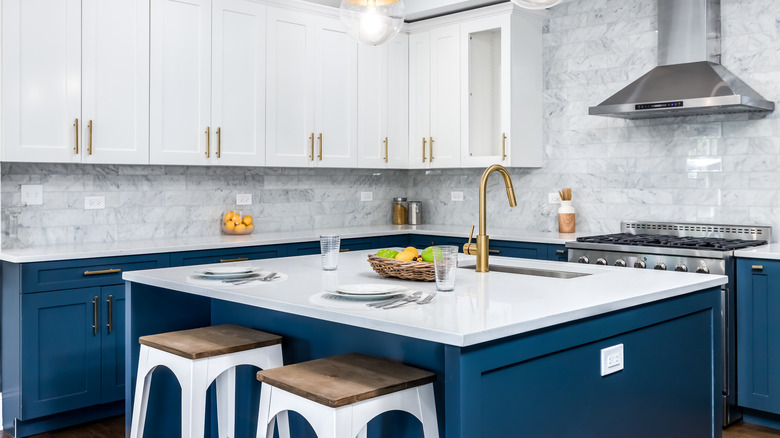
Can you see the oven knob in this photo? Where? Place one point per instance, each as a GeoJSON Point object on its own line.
{"type": "Point", "coordinates": [601, 261]}
{"type": "Point", "coordinates": [640, 264]}
{"type": "Point", "coordinates": [681, 268]}
{"type": "Point", "coordinates": [702, 270]}
{"type": "Point", "coordinates": [620, 262]}
{"type": "Point", "coordinates": [660, 266]}
{"type": "Point", "coordinates": [583, 259]}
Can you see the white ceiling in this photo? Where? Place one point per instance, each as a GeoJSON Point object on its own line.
{"type": "Point", "coordinates": [419, 9]}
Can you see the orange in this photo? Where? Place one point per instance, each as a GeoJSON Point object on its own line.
{"type": "Point", "coordinates": [412, 250]}
{"type": "Point", "coordinates": [230, 226]}
{"type": "Point", "coordinates": [229, 216]}
{"type": "Point", "coordinates": [247, 220]}
{"type": "Point", "coordinates": [240, 228]}
{"type": "Point", "coordinates": [405, 256]}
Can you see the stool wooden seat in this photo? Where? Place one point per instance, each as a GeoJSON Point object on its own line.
{"type": "Point", "coordinates": [210, 341]}
{"type": "Point", "coordinates": [198, 357]}
{"type": "Point", "coordinates": [350, 390]}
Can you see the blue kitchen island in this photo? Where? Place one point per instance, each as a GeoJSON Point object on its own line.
{"type": "Point", "coordinates": [515, 355]}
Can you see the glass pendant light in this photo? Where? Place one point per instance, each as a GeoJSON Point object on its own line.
{"type": "Point", "coordinates": [536, 4]}
{"type": "Point", "coordinates": [372, 22]}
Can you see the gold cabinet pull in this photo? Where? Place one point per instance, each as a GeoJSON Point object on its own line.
{"type": "Point", "coordinates": [219, 142]}
{"type": "Point", "coordinates": [89, 145]}
{"type": "Point", "coordinates": [320, 139]}
{"type": "Point", "coordinates": [493, 251]}
{"type": "Point", "coordinates": [386, 157]}
{"type": "Point", "coordinates": [424, 142]}
{"type": "Point", "coordinates": [240, 259]}
{"type": "Point", "coordinates": [344, 250]}
{"type": "Point", "coordinates": [76, 147]}
{"type": "Point", "coordinates": [208, 141]}
{"type": "Point", "coordinates": [103, 272]}
{"type": "Point", "coordinates": [311, 139]}
{"type": "Point", "coordinates": [559, 251]}
{"type": "Point", "coordinates": [430, 145]}
{"type": "Point", "coordinates": [110, 324]}
{"type": "Point", "coordinates": [758, 267]}
{"type": "Point", "coordinates": [95, 315]}
{"type": "Point", "coordinates": [503, 146]}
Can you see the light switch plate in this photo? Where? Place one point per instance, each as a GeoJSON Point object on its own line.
{"type": "Point", "coordinates": [612, 359]}
{"type": "Point", "coordinates": [244, 199]}
{"type": "Point", "coordinates": [32, 194]}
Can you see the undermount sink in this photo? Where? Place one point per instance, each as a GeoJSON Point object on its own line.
{"type": "Point", "coordinates": [565, 275]}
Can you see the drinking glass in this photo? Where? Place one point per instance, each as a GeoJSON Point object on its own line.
{"type": "Point", "coordinates": [329, 248]}
{"type": "Point", "coordinates": [445, 262]}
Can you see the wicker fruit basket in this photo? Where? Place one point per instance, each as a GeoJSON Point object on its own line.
{"type": "Point", "coordinates": [420, 271]}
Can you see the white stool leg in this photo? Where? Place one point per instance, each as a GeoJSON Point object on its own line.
{"type": "Point", "coordinates": [428, 411]}
{"type": "Point", "coordinates": [363, 433]}
{"type": "Point", "coordinates": [193, 401]}
{"type": "Point", "coordinates": [226, 403]}
{"type": "Point", "coordinates": [273, 359]}
{"type": "Point", "coordinates": [140, 401]}
{"type": "Point", "coordinates": [265, 427]}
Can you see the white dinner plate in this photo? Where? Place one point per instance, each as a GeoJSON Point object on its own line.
{"type": "Point", "coordinates": [227, 271]}
{"type": "Point", "coordinates": [369, 289]}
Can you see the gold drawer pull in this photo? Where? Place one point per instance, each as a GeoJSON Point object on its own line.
{"type": "Point", "coordinates": [240, 259]}
{"type": "Point", "coordinates": [103, 272]}
{"type": "Point", "coordinates": [493, 251]}
{"type": "Point", "coordinates": [559, 251]}
{"type": "Point", "coordinates": [758, 267]}
{"type": "Point", "coordinates": [344, 250]}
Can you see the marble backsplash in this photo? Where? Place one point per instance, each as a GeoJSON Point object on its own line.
{"type": "Point", "coordinates": [715, 169]}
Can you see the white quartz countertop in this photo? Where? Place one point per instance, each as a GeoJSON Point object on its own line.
{"type": "Point", "coordinates": [766, 252]}
{"type": "Point", "coordinates": [483, 306]}
{"type": "Point", "coordinates": [220, 241]}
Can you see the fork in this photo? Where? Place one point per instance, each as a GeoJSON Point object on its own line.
{"type": "Point", "coordinates": [427, 299]}
{"type": "Point", "coordinates": [269, 277]}
{"type": "Point", "coordinates": [411, 298]}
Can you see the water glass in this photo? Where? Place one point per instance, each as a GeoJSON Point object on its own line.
{"type": "Point", "coordinates": [329, 248]}
{"type": "Point", "coordinates": [445, 262]}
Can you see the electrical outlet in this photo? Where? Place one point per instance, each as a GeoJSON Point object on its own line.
{"type": "Point", "coordinates": [553, 198]}
{"type": "Point", "coordinates": [612, 359]}
{"type": "Point", "coordinates": [94, 202]}
{"type": "Point", "coordinates": [32, 194]}
{"type": "Point", "coordinates": [244, 199]}
{"type": "Point", "coordinates": [457, 196]}
{"type": "Point", "coordinates": [366, 196]}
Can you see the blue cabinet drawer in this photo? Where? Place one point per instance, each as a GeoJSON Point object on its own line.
{"type": "Point", "coordinates": [557, 253]}
{"type": "Point", "coordinates": [227, 255]}
{"type": "Point", "coordinates": [524, 250]}
{"type": "Point", "coordinates": [71, 274]}
{"type": "Point", "coordinates": [307, 248]}
{"type": "Point", "coordinates": [422, 242]}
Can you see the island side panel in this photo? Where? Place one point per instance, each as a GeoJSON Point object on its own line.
{"type": "Point", "coordinates": [307, 339]}
{"type": "Point", "coordinates": [150, 310]}
{"type": "Point", "coordinates": [549, 383]}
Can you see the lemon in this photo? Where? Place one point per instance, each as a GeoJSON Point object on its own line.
{"type": "Point", "coordinates": [247, 220]}
{"type": "Point", "coordinates": [412, 250]}
{"type": "Point", "coordinates": [406, 256]}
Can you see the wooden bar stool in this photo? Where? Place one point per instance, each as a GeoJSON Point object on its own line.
{"type": "Point", "coordinates": [198, 357]}
{"type": "Point", "coordinates": [341, 394]}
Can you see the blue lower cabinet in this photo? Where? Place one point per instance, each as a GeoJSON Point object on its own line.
{"type": "Point", "coordinates": [61, 352]}
{"type": "Point", "coordinates": [307, 248]}
{"type": "Point", "coordinates": [758, 335]}
{"type": "Point", "coordinates": [227, 255]}
{"type": "Point", "coordinates": [112, 331]}
{"type": "Point", "coordinates": [524, 250]}
{"type": "Point", "coordinates": [421, 242]}
{"type": "Point", "coordinates": [557, 253]}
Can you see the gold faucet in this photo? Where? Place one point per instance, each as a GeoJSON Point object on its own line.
{"type": "Point", "coordinates": [482, 247]}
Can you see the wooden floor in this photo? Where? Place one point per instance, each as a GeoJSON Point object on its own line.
{"type": "Point", "coordinates": [115, 428]}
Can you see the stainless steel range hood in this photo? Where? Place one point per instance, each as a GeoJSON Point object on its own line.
{"type": "Point", "coordinates": [689, 79]}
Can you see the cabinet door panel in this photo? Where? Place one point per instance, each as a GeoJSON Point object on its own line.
{"type": "Point", "coordinates": [372, 112]}
{"type": "Point", "coordinates": [180, 83]}
{"type": "Point", "coordinates": [336, 95]}
{"type": "Point", "coordinates": [397, 97]}
{"type": "Point", "coordinates": [112, 327]}
{"type": "Point", "coordinates": [238, 90]}
{"type": "Point", "coordinates": [115, 82]}
{"type": "Point", "coordinates": [61, 352]}
{"type": "Point", "coordinates": [445, 97]}
{"type": "Point", "coordinates": [290, 102]}
{"type": "Point", "coordinates": [419, 99]}
{"type": "Point", "coordinates": [41, 80]}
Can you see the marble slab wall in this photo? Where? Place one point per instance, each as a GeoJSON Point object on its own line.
{"type": "Point", "coordinates": [715, 169]}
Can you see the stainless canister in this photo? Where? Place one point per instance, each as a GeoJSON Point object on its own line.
{"type": "Point", "coordinates": [415, 212]}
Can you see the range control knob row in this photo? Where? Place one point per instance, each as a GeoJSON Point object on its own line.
{"type": "Point", "coordinates": [583, 259]}
{"type": "Point", "coordinates": [660, 266]}
{"type": "Point", "coordinates": [640, 264]}
{"type": "Point", "coordinates": [681, 268]}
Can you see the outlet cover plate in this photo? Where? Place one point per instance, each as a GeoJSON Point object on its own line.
{"type": "Point", "coordinates": [612, 359]}
{"type": "Point", "coordinates": [553, 198]}
{"type": "Point", "coordinates": [457, 196]}
{"type": "Point", "coordinates": [244, 199]}
{"type": "Point", "coordinates": [94, 202]}
{"type": "Point", "coordinates": [32, 194]}
{"type": "Point", "coordinates": [366, 196]}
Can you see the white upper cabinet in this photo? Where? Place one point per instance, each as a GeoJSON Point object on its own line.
{"type": "Point", "coordinates": [312, 91]}
{"type": "Point", "coordinates": [383, 105]}
{"type": "Point", "coordinates": [434, 98]}
{"type": "Point", "coordinates": [501, 104]}
{"type": "Point", "coordinates": [75, 81]}
{"type": "Point", "coordinates": [207, 93]}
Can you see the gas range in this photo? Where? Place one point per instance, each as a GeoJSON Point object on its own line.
{"type": "Point", "coordinates": [685, 247]}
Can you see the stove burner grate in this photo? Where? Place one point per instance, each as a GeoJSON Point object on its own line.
{"type": "Point", "coordinates": [708, 243]}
